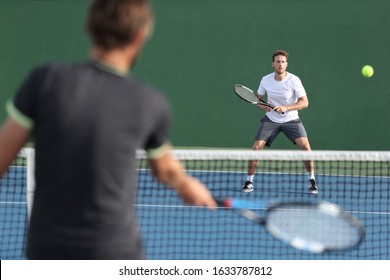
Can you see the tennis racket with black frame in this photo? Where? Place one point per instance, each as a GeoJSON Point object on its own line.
{"type": "Point", "coordinates": [250, 96]}
{"type": "Point", "coordinates": [313, 227]}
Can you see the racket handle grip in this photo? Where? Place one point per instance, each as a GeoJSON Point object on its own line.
{"type": "Point", "coordinates": [223, 202]}
{"type": "Point", "coordinates": [231, 203]}
{"type": "Point", "coordinates": [274, 110]}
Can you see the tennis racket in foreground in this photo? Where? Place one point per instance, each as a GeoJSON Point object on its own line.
{"type": "Point", "coordinates": [250, 96]}
{"type": "Point", "coordinates": [314, 227]}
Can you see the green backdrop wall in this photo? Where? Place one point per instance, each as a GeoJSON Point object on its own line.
{"type": "Point", "coordinates": [200, 49]}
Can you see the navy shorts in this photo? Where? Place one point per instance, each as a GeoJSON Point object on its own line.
{"type": "Point", "coordinates": [269, 130]}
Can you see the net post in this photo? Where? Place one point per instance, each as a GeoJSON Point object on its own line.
{"type": "Point", "coordinates": [30, 179]}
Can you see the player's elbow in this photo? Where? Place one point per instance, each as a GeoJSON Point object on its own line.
{"type": "Point", "coordinates": [167, 171]}
{"type": "Point", "coordinates": [164, 174]}
{"type": "Point", "coordinates": [161, 175]}
{"type": "Point", "coordinates": [304, 103]}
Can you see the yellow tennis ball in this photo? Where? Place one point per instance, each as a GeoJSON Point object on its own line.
{"type": "Point", "coordinates": [367, 71]}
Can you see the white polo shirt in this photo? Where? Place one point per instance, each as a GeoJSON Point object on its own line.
{"type": "Point", "coordinates": [281, 93]}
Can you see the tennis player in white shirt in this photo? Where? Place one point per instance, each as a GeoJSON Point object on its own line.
{"type": "Point", "coordinates": [286, 92]}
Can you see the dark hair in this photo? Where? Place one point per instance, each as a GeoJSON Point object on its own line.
{"type": "Point", "coordinates": [113, 23]}
{"type": "Point", "coordinates": [279, 52]}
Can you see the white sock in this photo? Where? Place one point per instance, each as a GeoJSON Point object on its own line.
{"type": "Point", "coordinates": [310, 175]}
{"type": "Point", "coordinates": [250, 178]}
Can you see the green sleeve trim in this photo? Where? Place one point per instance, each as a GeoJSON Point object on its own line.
{"type": "Point", "coordinates": [22, 119]}
{"type": "Point", "coordinates": [103, 66]}
{"type": "Point", "coordinates": [158, 152]}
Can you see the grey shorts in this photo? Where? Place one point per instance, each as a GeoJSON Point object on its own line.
{"type": "Point", "coordinates": [269, 130]}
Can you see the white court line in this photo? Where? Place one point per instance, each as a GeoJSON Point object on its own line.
{"type": "Point", "coordinates": [368, 212]}
{"type": "Point", "coordinates": [8, 202]}
{"type": "Point", "coordinates": [273, 173]}
{"type": "Point", "coordinates": [189, 206]}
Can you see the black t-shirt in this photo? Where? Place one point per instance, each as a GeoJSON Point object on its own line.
{"type": "Point", "coordinates": [88, 123]}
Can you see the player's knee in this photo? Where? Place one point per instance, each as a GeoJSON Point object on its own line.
{"type": "Point", "coordinates": [303, 143]}
{"type": "Point", "coordinates": [257, 146]}
{"type": "Point", "coordinates": [305, 146]}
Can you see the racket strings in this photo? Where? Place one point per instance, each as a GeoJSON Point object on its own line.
{"type": "Point", "coordinates": [314, 229]}
{"type": "Point", "coordinates": [247, 94]}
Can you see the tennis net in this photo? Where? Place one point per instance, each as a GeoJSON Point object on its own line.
{"type": "Point", "coordinates": [358, 181]}
{"type": "Point", "coordinates": [13, 205]}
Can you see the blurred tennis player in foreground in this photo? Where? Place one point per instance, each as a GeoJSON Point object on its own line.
{"type": "Point", "coordinates": [286, 92]}
{"type": "Point", "coordinates": [87, 120]}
